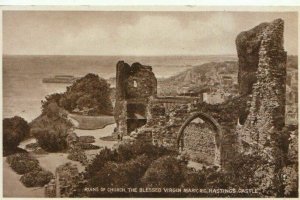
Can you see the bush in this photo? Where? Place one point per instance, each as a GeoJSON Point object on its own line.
{"type": "Point", "coordinates": [52, 140]}
{"type": "Point", "coordinates": [129, 151]}
{"type": "Point", "coordinates": [36, 178]}
{"type": "Point", "coordinates": [22, 163]}
{"type": "Point", "coordinates": [77, 154]}
{"type": "Point", "coordinates": [87, 139]}
{"type": "Point", "coordinates": [120, 175]}
{"type": "Point", "coordinates": [15, 130]}
{"type": "Point", "coordinates": [104, 156]}
{"type": "Point", "coordinates": [125, 153]}
{"type": "Point", "coordinates": [241, 174]}
{"type": "Point", "coordinates": [166, 171]}
{"type": "Point", "coordinates": [144, 165]}
{"type": "Point", "coordinates": [51, 128]}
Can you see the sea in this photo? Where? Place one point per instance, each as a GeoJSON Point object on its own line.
{"type": "Point", "coordinates": [23, 88]}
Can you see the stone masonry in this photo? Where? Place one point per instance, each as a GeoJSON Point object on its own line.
{"type": "Point", "coordinates": [135, 85]}
{"type": "Point", "coordinates": [267, 105]}
{"type": "Point", "coordinates": [262, 128]}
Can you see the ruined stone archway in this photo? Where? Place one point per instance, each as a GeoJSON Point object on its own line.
{"type": "Point", "coordinates": [215, 126]}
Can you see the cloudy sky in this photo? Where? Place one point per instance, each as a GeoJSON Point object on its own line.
{"type": "Point", "coordinates": [133, 33]}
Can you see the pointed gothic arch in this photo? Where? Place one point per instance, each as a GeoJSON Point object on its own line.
{"type": "Point", "coordinates": [215, 126]}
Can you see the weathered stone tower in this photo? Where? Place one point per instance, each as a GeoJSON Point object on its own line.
{"type": "Point", "coordinates": [135, 85]}
{"type": "Point", "coordinates": [262, 73]}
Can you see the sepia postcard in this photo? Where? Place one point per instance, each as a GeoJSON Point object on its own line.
{"type": "Point", "coordinates": [150, 102]}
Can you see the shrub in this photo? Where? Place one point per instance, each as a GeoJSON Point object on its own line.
{"type": "Point", "coordinates": [121, 175]}
{"type": "Point", "coordinates": [51, 128]}
{"type": "Point", "coordinates": [52, 140]}
{"type": "Point", "coordinates": [77, 154]}
{"type": "Point", "coordinates": [241, 174]}
{"type": "Point", "coordinates": [15, 130]}
{"type": "Point", "coordinates": [36, 178]}
{"type": "Point", "coordinates": [129, 151]}
{"type": "Point", "coordinates": [166, 171]}
{"type": "Point", "coordinates": [87, 139]}
{"type": "Point", "coordinates": [22, 163]}
{"type": "Point", "coordinates": [125, 153]}
{"type": "Point", "coordinates": [104, 156]}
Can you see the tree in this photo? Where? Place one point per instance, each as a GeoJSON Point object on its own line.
{"type": "Point", "coordinates": [15, 130]}
{"type": "Point", "coordinates": [52, 110]}
{"type": "Point", "coordinates": [90, 91]}
{"type": "Point", "coordinates": [52, 98]}
{"type": "Point", "coordinates": [51, 128]}
{"type": "Point", "coordinates": [86, 101]}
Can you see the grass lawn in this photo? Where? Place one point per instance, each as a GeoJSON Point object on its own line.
{"type": "Point", "coordinates": [92, 122]}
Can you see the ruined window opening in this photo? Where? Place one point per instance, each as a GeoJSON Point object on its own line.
{"type": "Point", "coordinates": [200, 140]}
{"type": "Point", "coordinates": [134, 83]}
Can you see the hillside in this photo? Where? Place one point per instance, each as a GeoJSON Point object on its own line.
{"type": "Point", "coordinates": [208, 75]}
{"type": "Point", "coordinates": [201, 76]}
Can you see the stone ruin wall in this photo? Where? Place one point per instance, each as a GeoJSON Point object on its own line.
{"type": "Point", "coordinates": [166, 116]}
{"type": "Point", "coordinates": [248, 118]}
{"type": "Point", "coordinates": [261, 53]}
{"type": "Point", "coordinates": [167, 122]}
{"type": "Point", "coordinates": [135, 84]}
{"type": "Point", "coordinates": [264, 121]}
{"type": "Point", "coordinates": [200, 143]}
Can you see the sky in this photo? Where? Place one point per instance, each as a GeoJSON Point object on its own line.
{"type": "Point", "coordinates": [134, 32]}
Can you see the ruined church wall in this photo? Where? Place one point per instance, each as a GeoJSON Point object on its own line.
{"type": "Point", "coordinates": [135, 84]}
{"type": "Point", "coordinates": [267, 106]}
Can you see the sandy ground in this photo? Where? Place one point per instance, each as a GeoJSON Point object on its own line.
{"type": "Point", "coordinates": [12, 187]}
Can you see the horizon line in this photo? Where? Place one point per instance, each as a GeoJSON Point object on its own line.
{"type": "Point", "coordinates": [115, 55]}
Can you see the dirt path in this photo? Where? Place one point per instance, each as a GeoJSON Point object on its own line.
{"type": "Point", "coordinates": [107, 131]}
{"type": "Point", "coordinates": [12, 187]}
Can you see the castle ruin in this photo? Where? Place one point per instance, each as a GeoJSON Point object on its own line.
{"type": "Point", "coordinates": [250, 121]}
